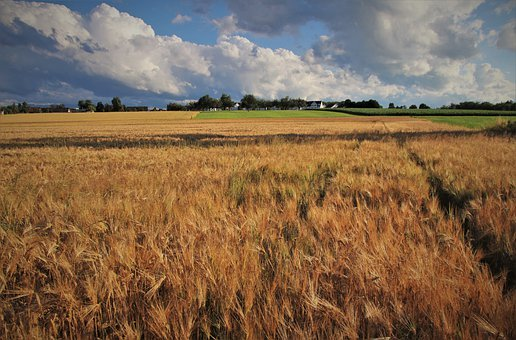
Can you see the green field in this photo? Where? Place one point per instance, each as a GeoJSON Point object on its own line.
{"type": "Point", "coordinates": [479, 119]}
{"type": "Point", "coordinates": [269, 114]}
{"type": "Point", "coordinates": [473, 122]}
{"type": "Point", "coordinates": [424, 112]}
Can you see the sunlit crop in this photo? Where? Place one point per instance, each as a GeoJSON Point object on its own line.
{"type": "Point", "coordinates": [233, 235]}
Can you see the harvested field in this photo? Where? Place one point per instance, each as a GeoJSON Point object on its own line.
{"type": "Point", "coordinates": [308, 228]}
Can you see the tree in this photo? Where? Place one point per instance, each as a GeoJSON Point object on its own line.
{"type": "Point", "coordinates": [284, 103]}
{"type": "Point", "coordinates": [248, 102]}
{"type": "Point", "coordinates": [391, 106]}
{"type": "Point", "coordinates": [413, 107]}
{"type": "Point", "coordinates": [206, 102]}
{"type": "Point", "coordinates": [175, 107]}
{"type": "Point", "coordinates": [423, 106]}
{"type": "Point", "coordinates": [226, 102]}
{"type": "Point", "coordinates": [13, 108]}
{"type": "Point", "coordinates": [99, 107]}
{"type": "Point", "coordinates": [117, 104]}
{"type": "Point", "coordinates": [191, 106]}
{"type": "Point", "coordinates": [24, 107]}
{"type": "Point", "coordinates": [86, 105]}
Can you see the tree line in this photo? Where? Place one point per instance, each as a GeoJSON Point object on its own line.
{"type": "Point", "coordinates": [248, 102]}
{"type": "Point", "coordinates": [502, 106]}
{"type": "Point", "coordinates": [252, 102]}
{"type": "Point", "coordinates": [115, 105]}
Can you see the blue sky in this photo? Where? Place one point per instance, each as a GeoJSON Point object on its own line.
{"type": "Point", "coordinates": [154, 52]}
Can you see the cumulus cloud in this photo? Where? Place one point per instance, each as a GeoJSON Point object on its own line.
{"type": "Point", "coordinates": [409, 44]}
{"type": "Point", "coordinates": [507, 36]}
{"type": "Point", "coordinates": [181, 19]}
{"type": "Point", "coordinates": [376, 34]}
{"type": "Point", "coordinates": [48, 49]}
{"type": "Point", "coordinates": [226, 25]}
{"type": "Point", "coordinates": [126, 50]}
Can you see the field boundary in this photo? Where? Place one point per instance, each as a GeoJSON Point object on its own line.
{"type": "Point", "coordinates": [270, 114]}
{"type": "Point", "coordinates": [424, 112]}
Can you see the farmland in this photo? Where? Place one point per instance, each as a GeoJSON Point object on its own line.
{"type": "Point", "coordinates": [163, 225]}
{"type": "Point", "coordinates": [423, 112]}
{"type": "Point", "coordinates": [453, 117]}
{"type": "Point", "coordinates": [474, 122]}
{"type": "Point", "coordinates": [270, 114]}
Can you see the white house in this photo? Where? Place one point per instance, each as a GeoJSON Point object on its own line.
{"type": "Point", "coordinates": [315, 104]}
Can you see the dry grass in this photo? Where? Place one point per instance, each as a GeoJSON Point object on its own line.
{"type": "Point", "coordinates": [278, 238]}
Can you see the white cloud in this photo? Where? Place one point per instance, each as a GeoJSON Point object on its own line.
{"type": "Point", "coordinates": [109, 50]}
{"type": "Point", "coordinates": [247, 68]}
{"type": "Point", "coordinates": [226, 25]}
{"type": "Point", "coordinates": [411, 43]}
{"type": "Point", "coordinates": [181, 19]}
{"type": "Point", "coordinates": [127, 50]}
{"type": "Point", "coordinates": [507, 36]}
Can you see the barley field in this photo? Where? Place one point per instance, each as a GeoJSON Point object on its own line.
{"type": "Point", "coordinates": [170, 227]}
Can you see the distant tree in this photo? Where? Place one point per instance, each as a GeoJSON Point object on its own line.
{"type": "Point", "coordinates": [56, 108]}
{"type": "Point", "coordinates": [248, 102]}
{"type": "Point", "coordinates": [261, 103]}
{"type": "Point", "coordinates": [117, 104]}
{"type": "Point", "coordinates": [24, 107]}
{"type": "Point", "coordinates": [86, 105]}
{"type": "Point", "coordinates": [413, 107]}
{"type": "Point", "coordinates": [423, 106]}
{"type": "Point", "coordinates": [391, 106]}
{"type": "Point", "coordinates": [328, 104]}
{"type": "Point", "coordinates": [284, 103]}
{"type": "Point", "coordinates": [191, 106]}
{"type": "Point", "coordinates": [267, 103]}
{"type": "Point", "coordinates": [108, 107]}
{"type": "Point", "coordinates": [226, 102]}
{"type": "Point", "coordinates": [99, 107]}
{"type": "Point", "coordinates": [13, 108]}
{"type": "Point", "coordinates": [469, 105]}
{"type": "Point", "coordinates": [206, 102]}
{"type": "Point", "coordinates": [175, 107]}
{"type": "Point", "coordinates": [299, 103]}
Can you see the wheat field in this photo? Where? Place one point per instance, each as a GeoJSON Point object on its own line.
{"type": "Point", "coordinates": [283, 229]}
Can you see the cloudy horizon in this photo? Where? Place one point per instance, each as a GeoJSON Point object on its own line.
{"type": "Point", "coordinates": [406, 52]}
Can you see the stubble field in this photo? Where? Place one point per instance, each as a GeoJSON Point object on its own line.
{"type": "Point", "coordinates": [171, 227]}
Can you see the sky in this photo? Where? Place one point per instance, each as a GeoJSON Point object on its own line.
{"type": "Point", "coordinates": [155, 52]}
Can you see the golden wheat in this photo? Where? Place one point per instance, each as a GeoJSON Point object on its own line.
{"type": "Point", "coordinates": [279, 238]}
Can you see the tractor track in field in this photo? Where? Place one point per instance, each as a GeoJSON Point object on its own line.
{"type": "Point", "coordinates": [457, 203]}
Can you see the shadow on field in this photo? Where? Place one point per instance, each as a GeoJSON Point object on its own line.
{"type": "Point", "coordinates": [214, 140]}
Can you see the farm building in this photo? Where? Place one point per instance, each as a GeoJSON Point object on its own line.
{"type": "Point", "coordinates": [315, 104]}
